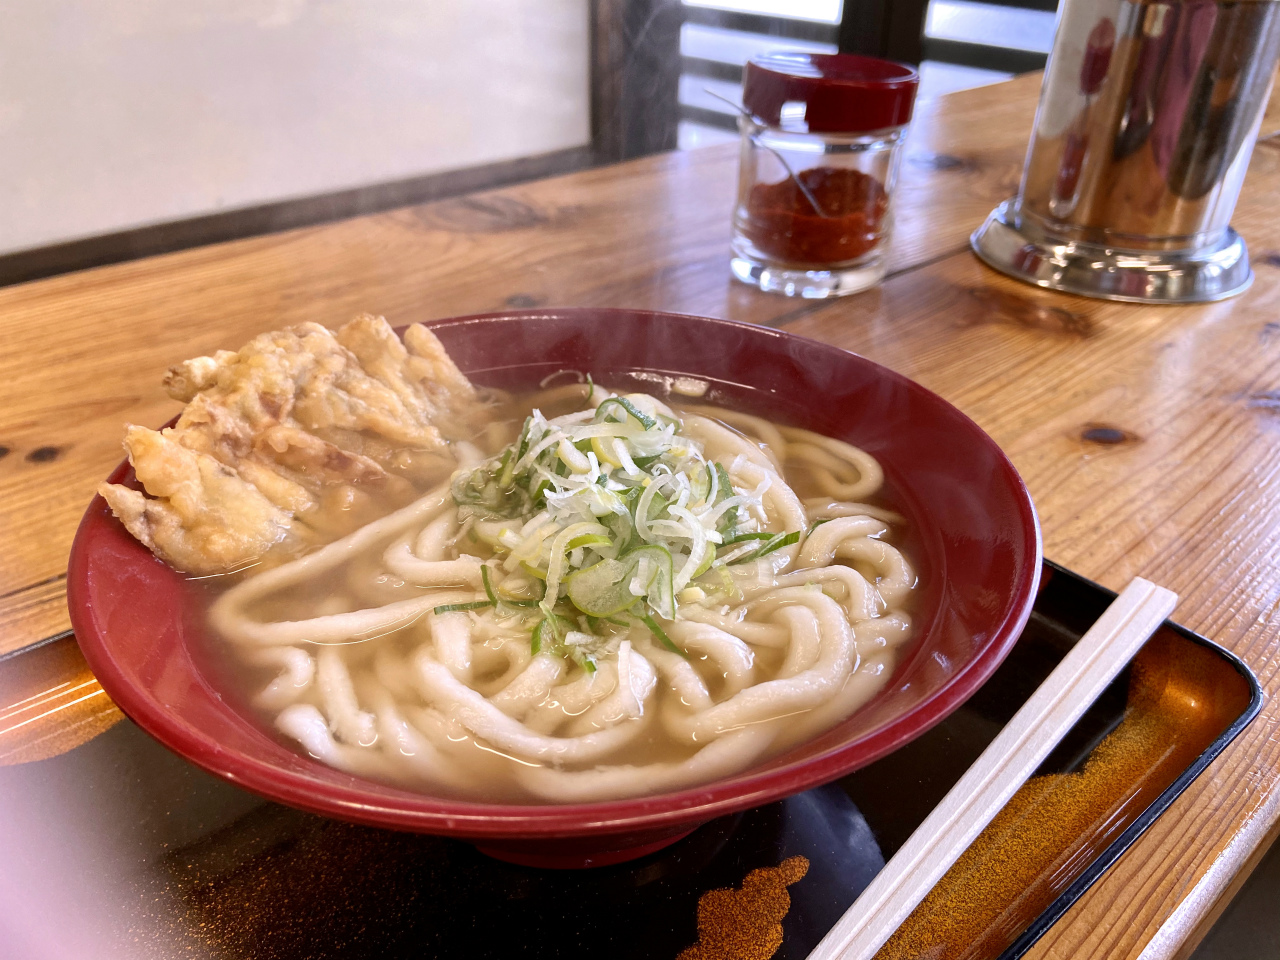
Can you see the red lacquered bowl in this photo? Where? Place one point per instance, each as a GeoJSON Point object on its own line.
{"type": "Point", "coordinates": [973, 536]}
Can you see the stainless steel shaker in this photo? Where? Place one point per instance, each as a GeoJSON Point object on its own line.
{"type": "Point", "coordinates": [1147, 118]}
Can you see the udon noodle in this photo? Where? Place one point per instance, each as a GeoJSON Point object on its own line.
{"type": "Point", "coordinates": [623, 599]}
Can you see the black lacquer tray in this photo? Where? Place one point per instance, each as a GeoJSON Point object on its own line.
{"type": "Point", "coordinates": [118, 848]}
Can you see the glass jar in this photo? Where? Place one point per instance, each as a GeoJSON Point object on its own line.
{"type": "Point", "coordinates": [821, 139]}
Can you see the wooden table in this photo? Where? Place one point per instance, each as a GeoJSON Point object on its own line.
{"type": "Point", "coordinates": [1149, 436]}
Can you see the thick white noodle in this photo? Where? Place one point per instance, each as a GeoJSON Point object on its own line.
{"type": "Point", "coordinates": [530, 687]}
{"type": "Point", "coordinates": [307, 725]}
{"type": "Point", "coordinates": [451, 634]}
{"type": "Point", "coordinates": [872, 636]}
{"type": "Point", "coordinates": [805, 610]}
{"type": "Point", "coordinates": [843, 471]}
{"type": "Point", "coordinates": [515, 653]}
{"type": "Point", "coordinates": [330, 556]}
{"type": "Point", "coordinates": [853, 538]}
{"type": "Point", "coordinates": [445, 733]}
{"type": "Point", "coordinates": [368, 585]}
{"type": "Point", "coordinates": [765, 434]}
{"type": "Point", "coordinates": [731, 655]}
{"type": "Point", "coordinates": [569, 700]}
{"type": "Point", "coordinates": [401, 559]}
{"type": "Point", "coordinates": [869, 476]}
{"type": "Point", "coordinates": [861, 686]}
{"type": "Point", "coordinates": [681, 677]}
{"type": "Point", "coordinates": [337, 628]}
{"type": "Point", "coordinates": [825, 508]}
{"type": "Point", "coordinates": [297, 670]}
{"type": "Point", "coordinates": [434, 540]}
{"type": "Point", "coordinates": [843, 584]}
{"type": "Point", "coordinates": [405, 744]}
{"type": "Point", "coordinates": [377, 684]}
{"type": "Point", "coordinates": [489, 723]}
{"type": "Point", "coordinates": [350, 724]}
{"type": "Point", "coordinates": [721, 443]}
{"type": "Point", "coordinates": [636, 682]}
{"type": "Point", "coordinates": [758, 634]}
{"type": "Point", "coordinates": [725, 756]}
{"type": "Point", "coordinates": [806, 640]}
{"type": "Point", "coordinates": [894, 577]}
{"type": "Point", "coordinates": [823, 545]}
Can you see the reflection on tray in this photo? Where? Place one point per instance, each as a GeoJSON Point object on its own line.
{"type": "Point", "coordinates": [186, 865]}
{"type": "Point", "coordinates": [1060, 822]}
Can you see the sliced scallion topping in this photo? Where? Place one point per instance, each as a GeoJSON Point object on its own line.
{"type": "Point", "coordinates": [606, 408]}
{"type": "Point", "coordinates": [611, 509]}
{"type": "Point", "coordinates": [729, 520]}
{"type": "Point", "coordinates": [778, 542]}
{"type": "Point", "coordinates": [661, 634]}
{"type": "Point", "coordinates": [488, 587]}
{"type": "Point", "coordinates": [457, 607]}
{"type": "Point", "coordinates": [775, 542]}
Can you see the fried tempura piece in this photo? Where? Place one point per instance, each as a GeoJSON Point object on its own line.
{"type": "Point", "coordinates": [188, 378]}
{"type": "Point", "coordinates": [203, 517]}
{"type": "Point", "coordinates": [271, 432]}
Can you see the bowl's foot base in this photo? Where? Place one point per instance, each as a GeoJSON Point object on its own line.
{"type": "Point", "coordinates": [578, 853]}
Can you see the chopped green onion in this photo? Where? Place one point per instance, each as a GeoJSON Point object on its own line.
{"type": "Point", "coordinates": [595, 624]}
{"type": "Point", "coordinates": [550, 619]}
{"type": "Point", "coordinates": [535, 639]}
{"type": "Point", "coordinates": [523, 448]}
{"type": "Point", "coordinates": [644, 419]}
{"type": "Point", "coordinates": [775, 542]}
{"type": "Point", "coordinates": [780, 541]}
{"type": "Point", "coordinates": [730, 519]}
{"type": "Point", "coordinates": [604, 588]}
{"type": "Point", "coordinates": [456, 607]}
{"type": "Point", "coordinates": [508, 464]}
{"type": "Point", "coordinates": [488, 588]}
{"type": "Point", "coordinates": [510, 601]}
{"type": "Point", "coordinates": [661, 634]}
{"type": "Point", "coordinates": [616, 470]}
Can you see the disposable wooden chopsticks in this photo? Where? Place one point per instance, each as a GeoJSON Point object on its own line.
{"type": "Point", "coordinates": [996, 775]}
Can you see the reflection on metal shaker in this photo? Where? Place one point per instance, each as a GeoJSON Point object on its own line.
{"type": "Point", "coordinates": [1147, 120]}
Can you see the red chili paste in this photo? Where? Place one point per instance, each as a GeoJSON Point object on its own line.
{"type": "Point", "coordinates": [781, 221]}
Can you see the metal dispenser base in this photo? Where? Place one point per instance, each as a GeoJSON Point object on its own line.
{"type": "Point", "coordinates": [1011, 246]}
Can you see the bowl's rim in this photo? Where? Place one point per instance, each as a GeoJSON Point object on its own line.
{"type": "Point", "coordinates": [403, 809]}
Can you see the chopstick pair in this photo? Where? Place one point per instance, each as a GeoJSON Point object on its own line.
{"type": "Point", "coordinates": [996, 775]}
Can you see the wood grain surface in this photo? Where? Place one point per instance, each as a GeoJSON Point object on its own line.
{"type": "Point", "coordinates": [1149, 436]}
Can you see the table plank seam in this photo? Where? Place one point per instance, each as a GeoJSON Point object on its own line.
{"type": "Point", "coordinates": [32, 586]}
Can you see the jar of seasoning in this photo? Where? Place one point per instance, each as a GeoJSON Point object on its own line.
{"type": "Point", "coordinates": [821, 138]}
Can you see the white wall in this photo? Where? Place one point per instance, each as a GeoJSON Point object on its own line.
{"type": "Point", "coordinates": [120, 113]}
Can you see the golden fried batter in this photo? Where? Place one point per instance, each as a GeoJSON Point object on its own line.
{"type": "Point", "coordinates": [201, 516]}
{"type": "Point", "coordinates": [299, 424]}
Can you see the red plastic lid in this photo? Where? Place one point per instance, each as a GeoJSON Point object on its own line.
{"type": "Point", "coordinates": [842, 93]}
